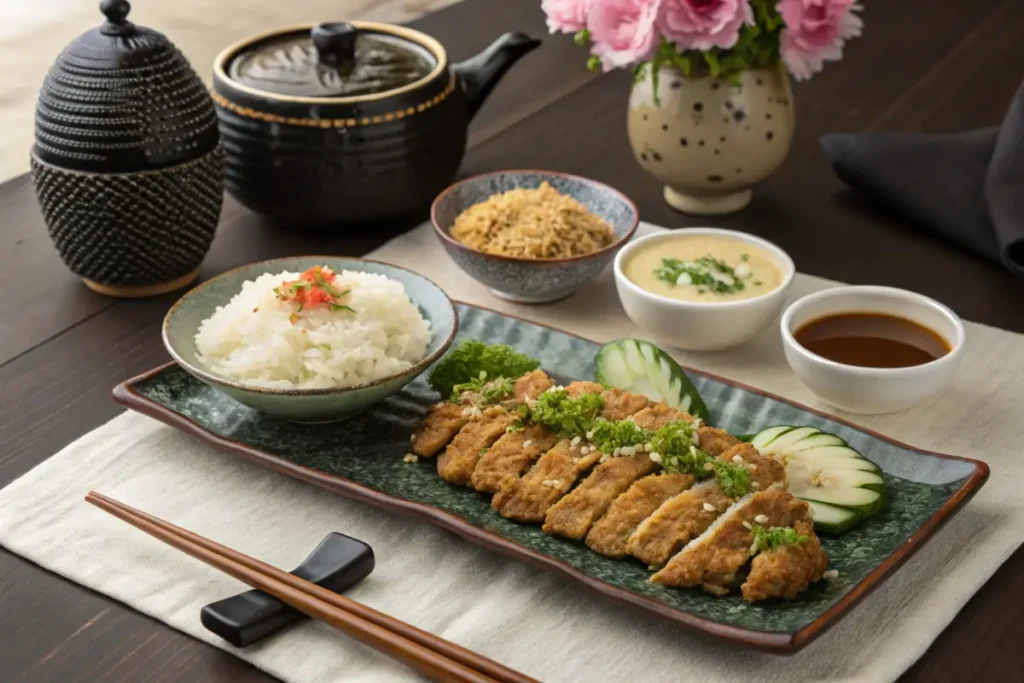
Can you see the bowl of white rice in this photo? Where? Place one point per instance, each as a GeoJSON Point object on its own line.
{"type": "Point", "coordinates": [312, 338]}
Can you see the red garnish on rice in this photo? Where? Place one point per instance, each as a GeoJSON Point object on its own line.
{"type": "Point", "coordinates": [315, 287]}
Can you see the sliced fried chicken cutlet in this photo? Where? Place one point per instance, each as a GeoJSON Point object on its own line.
{"type": "Point", "coordinates": [714, 441]}
{"type": "Point", "coordinates": [574, 514]}
{"type": "Point", "coordinates": [446, 418]}
{"type": "Point", "coordinates": [609, 534]}
{"type": "Point", "coordinates": [787, 571]}
{"type": "Point", "coordinates": [485, 427]}
{"type": "Point", "coordinates": [685, 516]}
{"type": "Point", "coordinates": [527, 498]}
{"type": "Point", "coordinates": [713, 560]}
{"type": "Point", "coordinates": [510, 456]}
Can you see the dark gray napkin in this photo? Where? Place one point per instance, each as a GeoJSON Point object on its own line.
{"type": "Point", "coordinates": [968, 187]}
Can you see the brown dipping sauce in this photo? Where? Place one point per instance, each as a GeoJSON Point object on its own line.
{"type": "Point", "coordinates": [872, 340]}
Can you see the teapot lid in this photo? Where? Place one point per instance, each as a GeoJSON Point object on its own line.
{"type": "Point", "coordinates": [122, 98]}
{"type": "Point", "coordinates": [332, 60]}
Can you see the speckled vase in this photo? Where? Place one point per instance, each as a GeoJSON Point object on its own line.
{"type": "Point", "coordinates": [708, 140]}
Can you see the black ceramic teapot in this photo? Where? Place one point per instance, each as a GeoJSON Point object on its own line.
{"type": "Point", "coordinates": [342, 124]}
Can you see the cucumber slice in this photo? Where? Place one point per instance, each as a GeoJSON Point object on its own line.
{"type": "Point", "coordinates": [763, 438]}
{"type": "Point", "coordinates": [832, 520]}
{"type": "Point", "coordinates": [785, 441]}
{"type": "Point", "coordinates": [831, 462]}
{"type": "Point", "coordinates": [862, 501]}
{"type": "Point", "coordinates": [822, 469]}
{"type": "Point", "coordinates": [643, 368]}
{"type": "Point", "coordinates": [819, 440]}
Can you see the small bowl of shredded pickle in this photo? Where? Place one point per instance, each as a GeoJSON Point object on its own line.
{"type": "Point", "coordinates": [532, 236]}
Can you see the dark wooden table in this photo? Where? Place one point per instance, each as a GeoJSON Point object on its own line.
{"type": "Point", "coordinates": [923, 65]}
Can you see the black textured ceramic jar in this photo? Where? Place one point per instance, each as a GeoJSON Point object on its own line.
{"type": "Point", "coordinates": [127, 163]}
{"type": "Point", "coordinates": [338, 125]}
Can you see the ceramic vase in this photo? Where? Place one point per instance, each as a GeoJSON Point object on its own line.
{"type": "Point", "coordinates": [710, 140]}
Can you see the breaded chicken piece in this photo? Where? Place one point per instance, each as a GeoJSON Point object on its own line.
{"type": "Point", "coordinates": [510, 456]}
{"type": "Point", "coordinates": [687, 515]}
{"type": "Point", "coordinates": [446, 418]}
{"type": "Point", "coordinates": [787, 571]}
{"type": "Point", "coordinates": [573, 515]}
{"type": "Point", "coordinates": [714, 558]}
{"type": "Point", "coordinates": [459, 460]}
{"type": "Point", "coordinates": [529, 387]}
{"type": "Point", "coordinates": [528, 498]}
{"type": "Point", "coordinates": [714, 441]}
{"type": "Point", "coordinates": [678, 521]}
{"type": "Point", "coordinates": [619, 404]}
{"type": "Point", "coordinates": [581, 387]}
{"type": "Point", "coordinates": [609, 534]}
{"type": "Point", "coordinates": [439, 427]}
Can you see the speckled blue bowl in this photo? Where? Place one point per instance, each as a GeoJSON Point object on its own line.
{"type": "Point", "coordinates": [306, 405]}
{"type": "Point", "coordinates": [533, 281]}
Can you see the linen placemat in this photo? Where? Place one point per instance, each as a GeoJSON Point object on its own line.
{"type": "Point", "coordinates": [531, 621]}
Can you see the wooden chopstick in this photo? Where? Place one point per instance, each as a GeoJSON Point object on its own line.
{"type": "Point", "coordinates": [426, 653]}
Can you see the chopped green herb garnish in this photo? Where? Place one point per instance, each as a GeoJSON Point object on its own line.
{"type": "Point", "coordinates": [472, 357]}
{"type": "Point", "coordinates": [710, 274]}
{"type": "Point", "coordinates": [562, 413]}
{"type": "Point", "coordinates": [775, 537]}
{"type": "Point", "coordinates": [481, 452]}
{"type": "Point", "coordinates": [674, 444]}
{"type": "Point", "coordinates": [609, 435]}
{"type": "Point", "coordinates": [490, 391]}
{"type": "Point", "coordinates": [757, 283]}
{"type": "Point", "coordinates": [744, 257]}
{"type": "Point", "coordinates": [734, 479]}
{"type": "Point", "coordinates": [338, 307]}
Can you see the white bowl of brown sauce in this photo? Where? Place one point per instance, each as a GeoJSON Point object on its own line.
{"type": "Point", "coordinates": [872, 350]}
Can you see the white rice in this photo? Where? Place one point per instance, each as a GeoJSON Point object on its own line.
{"type": "Point", "coordinates": [253, 340]}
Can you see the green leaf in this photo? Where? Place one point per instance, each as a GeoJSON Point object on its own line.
{"type": "Point", "coordinates": [471, 357]}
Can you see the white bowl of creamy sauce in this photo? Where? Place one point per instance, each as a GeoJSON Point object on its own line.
{"type": "Point", "coordinates": [703, 288]}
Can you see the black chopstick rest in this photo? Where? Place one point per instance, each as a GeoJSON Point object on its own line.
{"type": "Point", "coordinates": [338, 563]}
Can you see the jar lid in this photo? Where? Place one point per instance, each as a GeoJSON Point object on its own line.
{"type": "Point", "coordinates": [332, 60]}
{"type": "Point", "coordinates": [122, 98]}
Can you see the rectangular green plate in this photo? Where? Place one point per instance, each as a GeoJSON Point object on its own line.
{"type": "Point", "coordinates": [362, 458]}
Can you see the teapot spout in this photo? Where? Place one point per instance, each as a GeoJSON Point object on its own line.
{"type": "Point", "coordinates": [478, 75]}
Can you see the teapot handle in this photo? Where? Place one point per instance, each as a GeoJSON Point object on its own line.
{"type": "Point", "coordinates": [478, 75]}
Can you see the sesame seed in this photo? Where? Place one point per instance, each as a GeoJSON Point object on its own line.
{"type": "Point", "coordinates": [830, 574]}
{"type": "Point", "coordinates": [617, 452]}
{"type": "Point", "coordinates": [752, 467]}
{"type": "Point", "coordinates": [412, 437]}
{"type": "Point", "coordinates": [628, 451]}
{"type": "Point", "coordinates": [647, 447]}
{"type": "Point", "coordinates": [753, 548]}
{"type": "Point", "coordinates": [755, 484]}
{"type": "Point", "coordinates": [526, 444]}
{"type": "Point", "coordinates": [409, 457]}
{"type": "Point", "coordinates": [761, 519]}
{"type": "Point", "coordinates": [747, 525]}
{"type": "Point", "coordinates": [603, 458]}
{"type": "Point", "coordinates": [584, 450]}
{"type": "Point", "coordinates": [590, 434]}
{"type": "Point", "coordinates": [548, 482]}
{"type": "Point", "coordinates": [737, 459]}
{"type": "Point", "coordinates": [656, 457]}
{"type": "Point", "coordinates": [710, 508]}
{"type": "Point", "coordinates": [708, 466]}
{"type": "Point", "coordinates": [696, 439]}
{"type": "Point", "coordinates": [576, 441]}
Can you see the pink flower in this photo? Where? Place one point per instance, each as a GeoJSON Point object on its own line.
{"type": "Point", "coordinates": [704, 24]}
{"type": "Point", "coordinates": [623, 31]}
{"type": "Point", "coordinates": [815, 32]}
{"type": "Point", "coordinates": [566, 16]}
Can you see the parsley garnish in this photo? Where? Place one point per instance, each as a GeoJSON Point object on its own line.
{"type": "Point", "coordinates": [707, 273]}
{"type": "Point", "coordinates": [674, 443]}
{"type": "Point", "coordinates": [490, 391]}
{"type": "Point", "coordinates": [472, 357]}
{"type": "Point", "coordinates": [562, 413]}
{"type": "Point", "coordinates": [609, 435]}
{"type": "Point", "coordinates": [775, 537]}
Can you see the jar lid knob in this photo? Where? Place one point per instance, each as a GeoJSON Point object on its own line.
{"type": "Point", "coordinates": [335, 44]}
{"type": "Point", "coordinates": [116, 12]}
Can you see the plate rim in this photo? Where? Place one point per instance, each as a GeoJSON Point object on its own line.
{"type": "Point", "coordinates": [788, 642]}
